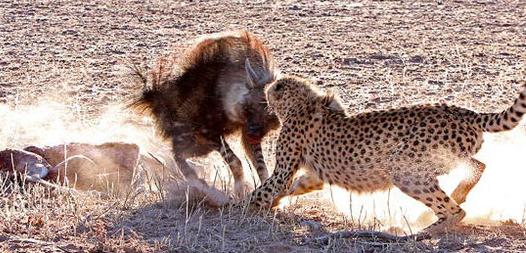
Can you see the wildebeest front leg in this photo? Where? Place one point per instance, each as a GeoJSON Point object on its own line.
{"type": "Point", "coordinates": [187, 171]}
{"type": "Point", "coordinates": [254, 153]}
{"type": "Point", "coordinates": [184, 146]}
{"type": "Point", "coordinates": [236, 167]}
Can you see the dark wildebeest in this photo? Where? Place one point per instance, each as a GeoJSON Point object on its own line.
{"type": "Point", "coordinates": [214, 89]}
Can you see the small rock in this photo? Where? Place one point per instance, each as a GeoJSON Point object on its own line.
{"type": "Point", "coordinates": [294, 8]}
{"type": "Point", "coordinates": [416, 59]}
{"type": "Point", "coordinates": [313, 225]}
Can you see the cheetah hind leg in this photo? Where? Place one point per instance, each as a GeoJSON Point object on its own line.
{"type": "Point", "coordinates": [464, 187]}
{"type": "Point", "coordinates": [305, 184]}
{"type": "Point", "coordinates": [429, 193]}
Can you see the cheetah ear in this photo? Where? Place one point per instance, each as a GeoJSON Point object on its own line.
{"type": "Point", "coordinates": [252, 76]}
{"type": "Point", "coordinates": [327, 98]}
{"type": "Point", "coordinates": [330, 101]}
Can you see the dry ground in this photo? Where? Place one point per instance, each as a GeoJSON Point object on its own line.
{"type": "Point", "coordinates": [375, 54]}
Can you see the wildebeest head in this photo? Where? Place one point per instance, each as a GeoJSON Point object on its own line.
{"type": "Point", "coordinates": [258, 119]}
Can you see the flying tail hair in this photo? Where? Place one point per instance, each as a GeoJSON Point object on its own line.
{"type": "Point", "coordinates": [151, 82]}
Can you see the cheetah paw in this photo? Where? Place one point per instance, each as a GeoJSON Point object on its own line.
{"type": "Point", "coordinates": [459, 195]}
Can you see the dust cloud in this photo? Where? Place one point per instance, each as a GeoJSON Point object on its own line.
{"type": "Point", "coordinates": [52, 123]}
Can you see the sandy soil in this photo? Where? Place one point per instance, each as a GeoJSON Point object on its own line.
{"type": "Point", "coordinates": [374, 54]}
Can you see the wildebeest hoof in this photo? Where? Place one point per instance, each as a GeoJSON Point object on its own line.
{"type": "Point", "coordinates": [241, 189]}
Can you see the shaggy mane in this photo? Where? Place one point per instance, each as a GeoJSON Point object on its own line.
{"type": "Point", "coordinates": [209, 53]}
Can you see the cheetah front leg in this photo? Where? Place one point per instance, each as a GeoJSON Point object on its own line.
{"type": "Point", "coordinates": [429, 192]}
{"type": "Point", "coordinates": [277, 186]}
{"type": "Point", "coordinates": [464, 187]}
{"type": "Point", "coordinates": [274, 188]}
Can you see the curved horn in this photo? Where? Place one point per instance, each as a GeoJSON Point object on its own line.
{"type": "Point", "coordinates": [69, 159]}
{"type": "Point", "coordinates": [252, 76]}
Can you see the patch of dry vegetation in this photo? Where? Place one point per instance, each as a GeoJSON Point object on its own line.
{"type": "Point", "coordinates": [33, 217]}
{"type": "Point", "coordinates": [177, 219]}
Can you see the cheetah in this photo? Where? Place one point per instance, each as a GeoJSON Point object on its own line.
{"type": "Point", "coordinates": [405, 147]}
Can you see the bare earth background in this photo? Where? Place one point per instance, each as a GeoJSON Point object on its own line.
{"type": "Point", "coordinates": [63, 77]}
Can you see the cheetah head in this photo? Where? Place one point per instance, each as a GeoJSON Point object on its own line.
{"type": "Point", "coordinates": [290, 93]}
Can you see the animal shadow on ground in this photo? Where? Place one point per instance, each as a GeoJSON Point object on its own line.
{"type": "Point", "coordinates": [183, 223]}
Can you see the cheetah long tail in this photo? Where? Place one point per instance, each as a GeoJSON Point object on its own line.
{"type": "Point", "coordinates": [507, 119]}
